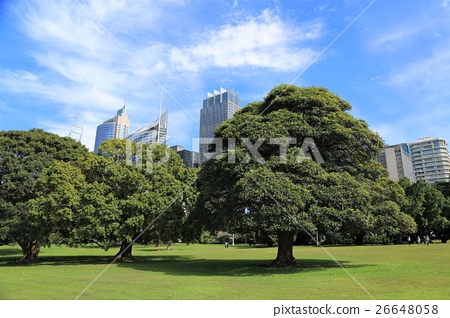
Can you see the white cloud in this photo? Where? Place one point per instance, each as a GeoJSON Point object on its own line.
{"type": "Point", "coordinates": [82, 69]}
{"type": "Point", "coordinates": [24, 82]}
{"type": "Point", "coordinates": [84, 72]}
{"type": "Point", "coordinates": [394, 39]}
{"type": "Point", "coordinates": [431, 72]}
{"type": "Point", "coordinates": [325, 8]}
{"type": "Point", "coordinates": [263, 41]}
{"type": "Point", "coordinates": [423, 83]}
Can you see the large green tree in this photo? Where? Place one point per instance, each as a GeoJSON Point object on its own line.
{"type": "Point", "coordinates": [295, 162]}
{"type": "Point", "coordinates": [128, 193]}
{"type": "Point", "coordinates": [23, 156]}
{"type": "Point", "coordinates": [135, 193]}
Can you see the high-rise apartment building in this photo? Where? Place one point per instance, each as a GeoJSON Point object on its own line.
{"type": "Point", "coordinates": [217, 108]}
{"type": "Point", "coordinates": [155, 133]}
{"type": "Point", "coordinates": [190, 158]}
{"type": "Point", "coordinates": [116, 127]}
{"type": "Point", "coordinates": [431, 160]}
{"type": "Point", "coordinates": [397, 160]}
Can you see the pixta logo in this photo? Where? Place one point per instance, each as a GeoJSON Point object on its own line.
{"type": "Point", "coordinates": [309, 150]}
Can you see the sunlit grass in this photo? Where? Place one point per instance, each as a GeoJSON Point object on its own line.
{"type": "Point", "coordinates": [239, 272]}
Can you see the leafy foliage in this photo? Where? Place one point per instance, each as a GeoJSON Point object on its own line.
{"type": "Point", "coordinates": [427, 205]}
{"type": "Point", "coordinates": [270, 183]}
{"type": "Point", "coordinates": [53, 190]}
{"type": "Point", "coordinates": [23, 157]}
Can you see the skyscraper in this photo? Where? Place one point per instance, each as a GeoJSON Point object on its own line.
{"type": "Point", "coordinates": [217, 108]}
{"type": "Point", "coordinates": [155, 133]}
{"type": "Point", "coordinates": [430, 159]}
{"type": "Point", "coordinates": [116, 127]}
{"type": "Point", "coordinates": [397, 160]}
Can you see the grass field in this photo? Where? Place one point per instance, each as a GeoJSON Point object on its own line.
{"type": "Point", "coordinates": [239, 272]}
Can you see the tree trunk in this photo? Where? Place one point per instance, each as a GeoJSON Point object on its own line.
{"type": "Point", "coordinates": [124, 252]}
{"type": "Point", "coordinates": [30, 251]}
{"type": "Point", "coordinates": [285, 255]}
{"type": "Point", "coordinates": [359, 239]}
{"type": "Point", "coordinates": [169, 244]}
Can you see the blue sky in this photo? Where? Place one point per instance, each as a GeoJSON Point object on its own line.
{"type": "Point", "coordinates": [76, 61]}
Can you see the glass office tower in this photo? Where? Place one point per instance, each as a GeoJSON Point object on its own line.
{"type": "Point", "coordinates": [217, 108]}
{"type": "Point", "coordinates": [116, 127]}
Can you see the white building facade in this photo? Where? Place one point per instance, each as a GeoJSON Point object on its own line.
{"type": "Point", "coordinates": [430, 159]}
{"type": "Point", "coordinates": [155, 133]}
{"type": "Point", "coordinates": [397, 160]}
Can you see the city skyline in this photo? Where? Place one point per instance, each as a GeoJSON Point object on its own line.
{"type": "Point", "coordinates": [74, 62]}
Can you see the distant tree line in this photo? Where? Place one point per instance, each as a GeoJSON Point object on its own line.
{"type": "Point", "coordinates": [54, 191]}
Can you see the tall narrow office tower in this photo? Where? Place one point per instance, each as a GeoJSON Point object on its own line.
{"type": "Point", "coordinates": [116, 127]}
{"type": "Point", "coordinates": [217, 108]}
{"type": "Point", "coordinates": [430, 159]}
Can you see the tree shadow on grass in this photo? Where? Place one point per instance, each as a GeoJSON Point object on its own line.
{"type": "Point", "coordinates": [57, 261]}
{"type": "Point", "coordinates": [179, 265]}
{"type": "Point", "coordinates": [185, 266]}
{"type": "Point", "coordinates": [10, 251]}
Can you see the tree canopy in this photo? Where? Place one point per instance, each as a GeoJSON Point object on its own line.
{"type": "Point", "coordinates": [23, 157]}
{"type": "Point", "coordinates": [118, 201]}
{"type": "Point", "coordinates": [296, 162]}
{"type": "Point", "coordinates": [52, 187]}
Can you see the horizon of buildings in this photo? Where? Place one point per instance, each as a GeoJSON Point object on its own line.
{"type": "Point", "coordinates": [119, 126]}
{"type": "Point", "coordinates": [217, 107]}
{"type": "Point", "coordinates": [426, 159]}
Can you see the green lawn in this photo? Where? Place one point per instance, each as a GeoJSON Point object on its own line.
{"type": "Point", "coordinates": [239, 272]}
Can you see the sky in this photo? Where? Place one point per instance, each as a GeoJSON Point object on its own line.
{"type": "Point", "coordinates": [75, 62]}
